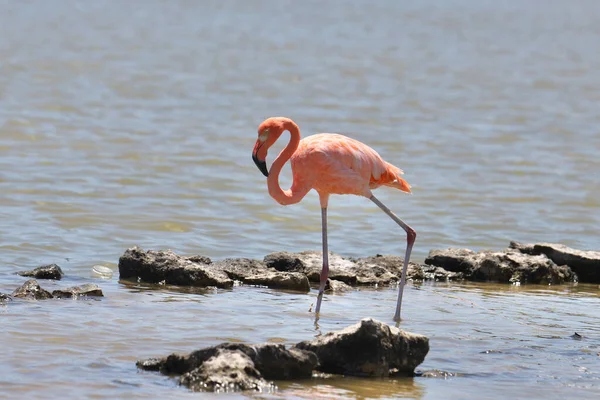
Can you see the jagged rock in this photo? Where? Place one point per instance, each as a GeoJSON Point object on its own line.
{"type": "Point", "coordinates": [368, 348]}
{"type": "Point", "coordinates": [280, 280]}
{"type": "Point", "coordinates": [166, 266]}
{"type": "Point", "coordinates": [254, 272]}
{"type": "Point", "coordinates": [235, 366]}
{"type": "Point", "coordinates": [31, 290]}
{"type": "Point", "coordinates": [586, 264]}
{"type": "Point", "coordinates": [226, 371]}
{"type": "Point", "coordinates": [359, 272]}
{"type": "Point", "coordinates": [431, 272]}
{"type": "Point", "coordinates": [336, 286]}
{"type": "Point", "coordinates": [508, 266]}
{"type": "Point", "coordinates": [387, 268]}
{"type": "Point", "coordinates": [51, 271]}
{"type": "Point", "coordinates": [88, 289]}
{"type": "Point", "coordinates": [455, 260]}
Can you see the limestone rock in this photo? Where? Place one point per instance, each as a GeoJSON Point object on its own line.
{"type": "Point", "coordinates": [368, 348]}
{"type": "Point", "coordinates": [51, 271]}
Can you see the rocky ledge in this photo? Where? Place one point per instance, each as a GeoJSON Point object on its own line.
{"type": "Point", "coordinates": [523, 263]}
{"type": "Point", "coordinates": [369, 348]}
{"type": "Point", "coordinates": [31, 290]}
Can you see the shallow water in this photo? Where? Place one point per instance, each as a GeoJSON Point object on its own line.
{"type": "Point", "coordinates": [132, 124]}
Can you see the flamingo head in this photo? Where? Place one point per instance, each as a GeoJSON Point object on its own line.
{"type": "Point", "coordinates": [268, 132]}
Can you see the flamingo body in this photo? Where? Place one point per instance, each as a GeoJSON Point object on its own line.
{"type": "Point", "coordinates": [336, 164]}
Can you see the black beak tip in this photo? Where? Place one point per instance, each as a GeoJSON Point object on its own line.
{"type": "Point", "coordinates": [262, 166]}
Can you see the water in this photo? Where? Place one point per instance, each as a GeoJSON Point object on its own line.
{"type": "Point", "coordinates": [132, 123]}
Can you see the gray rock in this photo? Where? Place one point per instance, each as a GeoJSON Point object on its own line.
{"type": "Point", "coordinates": [31, 290]}
{"type": "Point", "coordinates": [586, 264]}
{"type": "Point", "coordinates": [336, 286]}
{"type": "Point", "coordinates": [454, 260]}
{"type": "Point", "coordinates": [235, 366]}
{"type": "Point", "coordinates": [385, 269]}
{"type": "Point", "coordinates": [275, 361]}
{"type": "Point", "coordinates": [280, 280]}
{"type": "Point", "coordinates": [349, 271]}
{"type": "Point", "coordinates": [4, 298]}
{"type": "Point", "coordinates": [88, 289]}
{"type": "Point", "coordinates": [166, 266]}
{"type": "Point", "coordinates": [51, 271]}
{"type": "Point", "coordinates": [368, 348]}
{"type": "Point", "coordinates": [254, 272]}
{"type": "Point", "coordinates": [507, 266]}
{"type": "Point", "coordinates": [226, 371]}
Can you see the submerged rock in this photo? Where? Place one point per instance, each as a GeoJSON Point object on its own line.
{"type": "Point", "coordinates": [368, 348]}
{"type": "Point", "coordinates": [51, 271]}
{"type": "Point", "coordinates": [4, 298]}
{"type": "Point", "coordinates": [166, 266]}
{"type": "Point", "coordinates": [235, 366]}
{"type": "Point", "coordinates": [586, 264]}
{"type": "Point", "coordinates": [88, 289]}
{"type": "Point", "coordinates": [31, 290]}
{"type": "Point", "coordinates": [507, 266]}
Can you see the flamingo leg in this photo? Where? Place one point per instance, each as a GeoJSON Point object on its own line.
{"type": "Point", "coordinates": [411, 235]}
{"type": "Point", "coordinates": [325, 270]}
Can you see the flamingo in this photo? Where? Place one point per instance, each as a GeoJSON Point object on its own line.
{"type": "Point", "coordinates": [331, 164]}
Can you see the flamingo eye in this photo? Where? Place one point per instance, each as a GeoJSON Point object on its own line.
{"type": "Point", "coordinates": [264, 134]}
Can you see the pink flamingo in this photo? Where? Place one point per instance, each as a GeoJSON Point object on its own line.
{"type": "Point", "coordinates": [330, 164]}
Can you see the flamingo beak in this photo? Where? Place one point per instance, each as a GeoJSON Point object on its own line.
{"type": "Point", "coordinates": [261, 164]}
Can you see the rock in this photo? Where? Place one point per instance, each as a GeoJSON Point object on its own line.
{"type": "Point", "coordinates": [368, 348]}
{"type": "Point", "coordinates": [166, 266]}
{"type": "Point", "coordinates": [88, 289]}
{"type": "Point", "coordinates": [336, 286]}
{"type": "Point", "coordinates": [349, 271]}
{"type": "Point", "coordinates": [387, 269]}
{"type": "Point", "coordinates": [254, 272]}
{"type": "Point", "coordinates": [51, 271]}
{"type": "Point", "coordinates": [4, 298]}
{"type": "Point", "coordinates": [586, 264]}
{"type": "Point", "coordinates": [235, 366]}
{"type": "Point", "coordinates": [280, 280]}
{"type": "Point", "coordinates": [226, 371]}
{"type": "Point", "coordinates": [31, 290]}
{"type": "Point", "coordinates": [274, 361]}
{"type": "Point", "coordinates": [431, 272]}
{"type": "Point", "coordinates": [454, 260]}
{"type": "Point", "coordinates": [507, 266]}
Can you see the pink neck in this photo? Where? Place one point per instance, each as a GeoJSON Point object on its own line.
{"type": "Point", "coordinates": [294, 195]}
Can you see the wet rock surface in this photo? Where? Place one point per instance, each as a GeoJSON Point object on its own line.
{"type": "Point", "coordinates": [255, 272]}
{"type": "Point", "coordinates": [168, 267]}
{"type": "Point", "coordinates": [51, 271]}
{"type": "Point", "coordinates": [523, 263]}
{"type": "Point", "coordinates": [503, 266]}
{"type": "Point", "coordinates": [369, 348]}
{"type": "Point", "coordinates": [585, 263]}
{"type": "Point", "coordinates": [87, 289]}
{"type": "Point", "coordinates": [235, 366]}
{"type": "Point", "coordinates": [31, 290]}
{"type": "Point", "coordinates": [4, 298]}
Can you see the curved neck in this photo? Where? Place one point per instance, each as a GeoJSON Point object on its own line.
{"type": "Point", "coordinates": [295, 194]}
